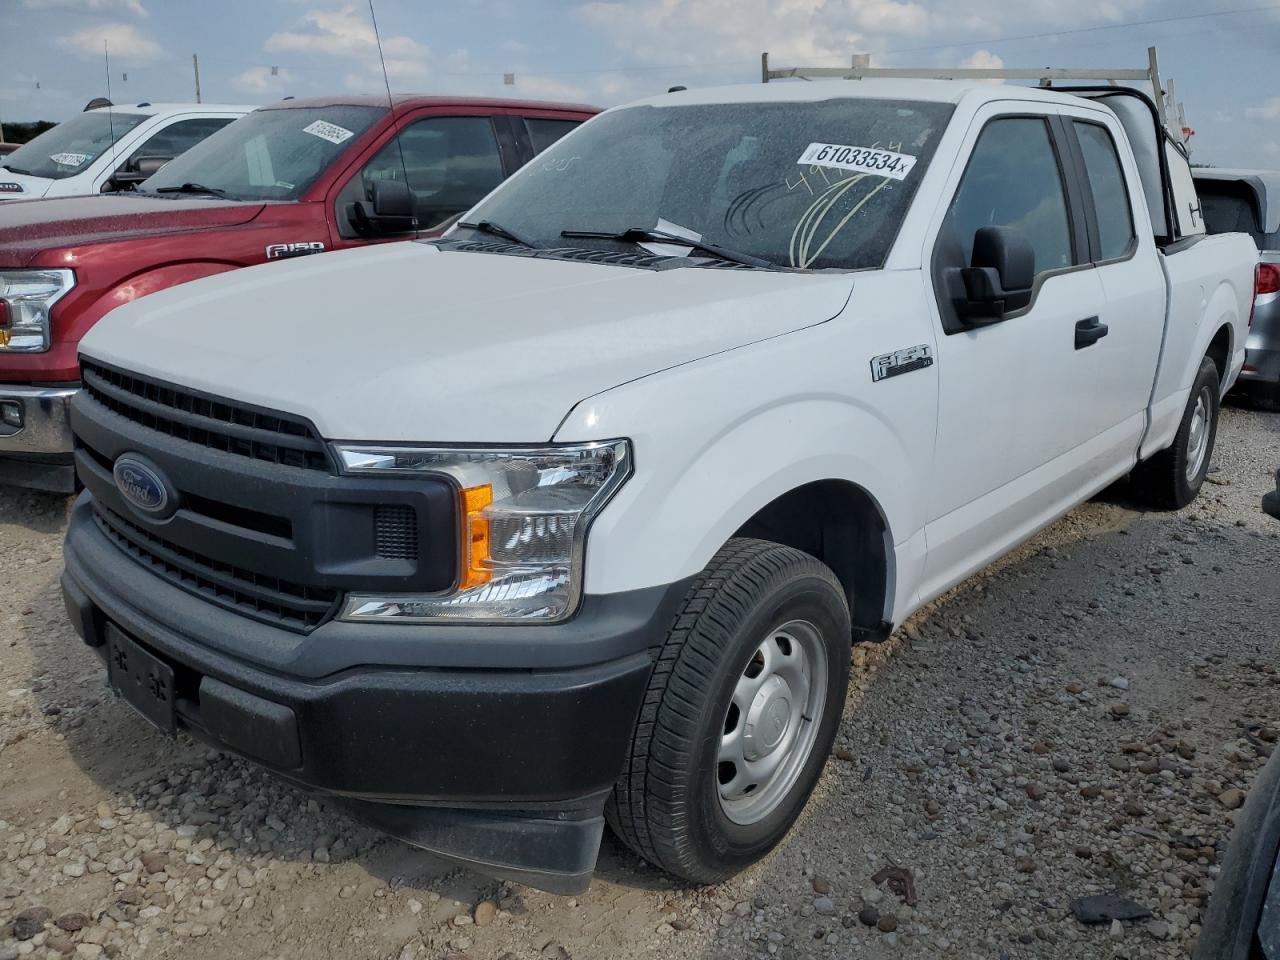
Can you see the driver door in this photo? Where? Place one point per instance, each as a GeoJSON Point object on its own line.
{"type": "Point", "coordinates": [1015, 405]}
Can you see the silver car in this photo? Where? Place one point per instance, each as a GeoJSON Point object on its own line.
{"type": "Point", "coordinates": [1248, 201]}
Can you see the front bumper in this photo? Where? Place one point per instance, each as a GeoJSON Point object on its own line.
{"type": "Point", "coordinates": [37, 453]}
{"type": "Point", "coordinates": [504, 767]}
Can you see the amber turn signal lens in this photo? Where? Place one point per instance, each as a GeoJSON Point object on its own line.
{"type": "Point", "coordinates": [475, 536]}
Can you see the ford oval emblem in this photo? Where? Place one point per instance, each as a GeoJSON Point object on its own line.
{"type": "Point", "coordinates": [142, 486]}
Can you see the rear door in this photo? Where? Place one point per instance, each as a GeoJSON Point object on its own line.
{"type": "Point", "coordinates": [1122, 249]}
{"type": "Point", "coordinates": [1016, 407]}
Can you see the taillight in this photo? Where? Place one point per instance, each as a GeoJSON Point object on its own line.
{"type": "Point", "coordinates": [1266, 279]}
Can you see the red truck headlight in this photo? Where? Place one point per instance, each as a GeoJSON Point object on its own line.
{"type": "Point", "coordinates": [26, 301]}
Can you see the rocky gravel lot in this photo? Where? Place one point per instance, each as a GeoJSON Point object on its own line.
{"type": "Point", "coordinates": [1085, 718]}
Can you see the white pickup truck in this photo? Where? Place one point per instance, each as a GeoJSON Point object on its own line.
{"type": "Point", "coordinates": [574, 514]}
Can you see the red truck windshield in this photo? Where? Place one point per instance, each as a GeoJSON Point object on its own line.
{"type": "Point", "coordinates": [271, 154]}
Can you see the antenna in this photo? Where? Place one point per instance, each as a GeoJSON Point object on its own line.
{"type": "Point", "coordinates": [111, 127]}
{"type": "Point", "coordinates": [391, 105]}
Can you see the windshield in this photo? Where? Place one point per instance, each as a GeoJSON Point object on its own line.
{"type": "Point", "coordinates": [271, 154]}
{"type": "Point", "coordinates": [808, 185]}
{"type": "Point", "coordinates": [71, 146]}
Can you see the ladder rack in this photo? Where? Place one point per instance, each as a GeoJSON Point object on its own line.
{"type": "Point", "coordinates": [1172, 116]}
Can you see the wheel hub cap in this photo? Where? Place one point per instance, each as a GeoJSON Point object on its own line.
{"type": "Point", "coordinates": [772, 722]}
{"type": "Point", "coordinates": [768, 719]}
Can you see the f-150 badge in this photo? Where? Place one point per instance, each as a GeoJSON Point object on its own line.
{"type": "Point", "coordinates": [276, 251]}
{"type": "Point", "coordinates": [901, 361]}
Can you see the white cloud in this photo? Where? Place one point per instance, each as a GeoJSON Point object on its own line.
{"type": "Point", "coordinates": [133, 7]}
{"type": "Point", "coordinates": [982, 60]}
{"type": "Point", "coordinates": [348, 32]}
{"type": "Point", "coordinates": [261, 80]}
{"type": "Point", "coordinates": [124, 42]}
{"type": "Point", "coordinates": [1269, 110]}
{"type": "Point", "coordinates": [533, 87]}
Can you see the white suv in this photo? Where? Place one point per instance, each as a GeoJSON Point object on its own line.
{"type": "Point", "coordinates": [109, 148]}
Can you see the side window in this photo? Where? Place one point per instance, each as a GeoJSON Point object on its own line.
{"type": "Point", "coordinates": [452, 162]}
{"type": "Point", "coordinates": [178, 138]}
{"type": "Point", "coordinates": [1186, 205]}
{"type": "Point", "coordinates": [543, 133]}
{"type": "Point", "coordinates": [1110, 194]}
{"type": "Point", "coordinates": [1013, 180]}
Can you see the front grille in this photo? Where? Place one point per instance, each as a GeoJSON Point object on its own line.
{"type": "Point", "coordinates": [396, 531]}
{"type": "Point", "coordinates": [269, 599]}
{"type": "Point", "coordinates": [213, 422]}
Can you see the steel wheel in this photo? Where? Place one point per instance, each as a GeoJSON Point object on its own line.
{"type": "Point", "coordinates": [772, 722]}
{"type": "Point", "coordinates": [1198, 435]}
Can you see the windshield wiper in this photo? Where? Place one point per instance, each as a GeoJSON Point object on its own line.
{"type": "Point", "coordinates": [18, 170]}
{"type": "Point", "coordinates": [650, 235]}
{"type": "Point", "coordinates": [498, 230]}
{"type": "Point", "coordinates": [193, 188]}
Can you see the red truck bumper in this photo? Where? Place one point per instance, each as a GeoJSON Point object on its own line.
{"type": "Point", "coordinates": [35, 437]}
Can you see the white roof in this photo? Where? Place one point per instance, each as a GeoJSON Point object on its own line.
{"type": "Point", "coordinates": [156, 109]}
{"type": "Point", "coordinates": [799, 91]}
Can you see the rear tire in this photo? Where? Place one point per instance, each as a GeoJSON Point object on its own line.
{"type": "Point", "coordinates": [1173, 477]}
{"type": "Point", "coordinates": [728, 701]}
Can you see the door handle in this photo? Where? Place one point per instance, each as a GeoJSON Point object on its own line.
{"type": "Point", "coordinates": [1089, 331]}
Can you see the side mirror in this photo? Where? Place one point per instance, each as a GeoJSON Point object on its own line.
{"type": "Point", "coordinates": [135, 171]}
{"type": "Point", "coordinates": [999, 278]}
{"type": "Point", "coordinates": [392, 211]}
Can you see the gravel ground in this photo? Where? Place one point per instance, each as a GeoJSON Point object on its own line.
{"type": "Point", "coordinates": [1086, 717]}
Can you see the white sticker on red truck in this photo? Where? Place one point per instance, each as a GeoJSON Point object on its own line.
{"type": "Point", "coordinates": [69, 159]}
{"type": "Point", "coordinates": [870, 160]}
{"type": "Point", "coordinates": [328, 131]}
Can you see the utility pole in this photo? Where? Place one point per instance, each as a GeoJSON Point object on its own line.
{"type": "Point", "coordinates": [195, 65]}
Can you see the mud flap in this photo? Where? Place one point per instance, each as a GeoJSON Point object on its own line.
{"type": "Point", "coordinates": [551, 850]}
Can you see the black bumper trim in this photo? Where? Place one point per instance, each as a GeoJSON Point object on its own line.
{"type": "Point", "coordinates": [52, 473]}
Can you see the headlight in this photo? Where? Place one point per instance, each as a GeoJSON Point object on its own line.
{"type": "Point", "coordinates": [26, 298]}
{"type": "Point", "coordinates": [523, 518]}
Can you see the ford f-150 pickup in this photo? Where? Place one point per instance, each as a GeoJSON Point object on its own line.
{"type": "Point", "coordinates": [573, 514]}
{"type": "Point", "coordinates": [289, 180]}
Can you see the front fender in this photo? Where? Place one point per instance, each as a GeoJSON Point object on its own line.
{"type": "Point", "coordinates": [701, 472]}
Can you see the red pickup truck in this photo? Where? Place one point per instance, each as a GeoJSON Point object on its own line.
{"type": "Point", "coordinates": [290, 179]}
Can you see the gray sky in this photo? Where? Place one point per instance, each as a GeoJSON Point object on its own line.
{"type": "Point", "coordinates": [609, 51]}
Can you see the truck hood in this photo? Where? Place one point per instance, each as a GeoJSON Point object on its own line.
{"type": "Point", "coordinates": [28, 228]}
{"type": "Point", "coordinates": [409, 342]}
{"type": "Point", "coordinates": [20, 186]}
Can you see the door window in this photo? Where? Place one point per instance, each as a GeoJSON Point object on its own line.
{"type": "Point", "coordinates": [1110, 195]}
{"type": "Point", "coordinates": [450, 164]}
{"type": "Point", "coordinates": [543, 133]}
{"type": "Point", "coordinates": [177, 138]}
{"type": "Point", "coordinates": [1013, 180]}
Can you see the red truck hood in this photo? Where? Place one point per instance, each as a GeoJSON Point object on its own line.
{"type": "Point", "coordinates": [30, 227]}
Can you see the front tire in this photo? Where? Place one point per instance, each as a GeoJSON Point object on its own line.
{"type": "Point", "coordinates": [742, 708]}
{"type": "Point", "coordinates": [1173, 477]}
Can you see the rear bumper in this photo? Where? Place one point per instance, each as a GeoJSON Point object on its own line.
{"type": "Point", "coordinates": [37, 452]}
{"type": "Point", "coordinates": [505, 767]}
{"type": "Point", "coordinates": [1261, 368]}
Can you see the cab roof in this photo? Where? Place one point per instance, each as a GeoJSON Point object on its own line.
{"type": "Point", "coordinates": [155, 109]}
{"type": "Point", "coordinates": [796, 91]}
{"type": "Point", "coordinates": [412, 101]}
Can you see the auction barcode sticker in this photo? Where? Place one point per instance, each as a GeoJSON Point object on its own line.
{"type": "Point", "coordinates": [328, 131]}
{"type": "Point", "coordinates": [881, 163]}
{"type": "Point", "coordinates": [69, 159]}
